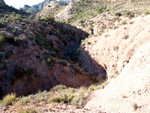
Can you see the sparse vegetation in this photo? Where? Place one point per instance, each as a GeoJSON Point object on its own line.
{"type": "Point", "coordinates": [101, 9]}
{"type": "Point", "coordinates": [32, 49]}
{"type": "Point", "coordinates": [9, 99]}
{"type": "Point", "coordinates": [1, 38]}
{"type": "Point", "coordinates": [57, 94]}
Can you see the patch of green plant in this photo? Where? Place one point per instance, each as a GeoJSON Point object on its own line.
{"type": "Point", "coordinates": [2, 23]}
{"type": "Point", "coordinates": [2, 39]}
{"type": "Point", "coordinates": [50, 61]}
{"type": "Point", "coordinates": [44, 43]}
{"type": "Point", "coordinates": [100, 10]}
{"type": "Point", "coordinates": [48, 19]}
{"type": "Point", "coordinates": [9, 99]}
{"type": "Point", "coordinates": [58, 88]}
{"type": "Point", "coordinates": [69, 95]}
{"type": "Point", "coordinates": [18, 17]}
{"type": "Point", "coordinates": [80, 16]}
{"type": "Point", "coordinates": [14, 13]}
{"type": "Point", "coordinates": [118, 14]}
{"type": "Point", "coordinates": [23, 23]}
{"type": "Point", "coordinates": [29, 111]}
{"type": "Point", "coordinates": [56, 98]}
{"type": "Point", "coordinates": [93, 87]}
{"type": "Point", "coordinates": [129, 14]}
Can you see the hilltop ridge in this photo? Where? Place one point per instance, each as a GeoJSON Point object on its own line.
{"type": "Point", "coordinates": [37, 8]}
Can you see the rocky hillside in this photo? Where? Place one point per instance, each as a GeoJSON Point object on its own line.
{"type": "Point", "coordinates": [73, 11]}
{"type": "Point", "coordinates": [50, 10]}
{"type": "Point", "coordinates": [99, 16]}
{"type": "Point", "coordinates": [37, 8]}
{"type": "Point", "coordinates": [37, 52]}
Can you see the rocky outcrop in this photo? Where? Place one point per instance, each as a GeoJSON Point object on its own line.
{"type": "Point", "coordinates": [26, 7]}
{"type": "Point", "coordinates": [51, 9]}
{"type": "Point", "coordinates": [67, 12]}
{"type": "Point", "coordinates": [124, 53]}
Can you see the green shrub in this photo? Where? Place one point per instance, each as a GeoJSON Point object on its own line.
{"type": "Point", "coordinates": [93, 87]}
{"type": "Point", "coordinates": [68, 95]}
{"type": "Point", "coordinates": [23, 100]}
{"type": "Point", "coordinates": [1, 38]}
{"type": "Point", "coordinates": [49, 19]}
{"type": "Point", "coordinates": [130, 14]}
{"type": "Point", "coordinates": [58, 88]}
{"type": "Point", "coordinates": [101, 9]}
{"type": "Point", "coordinates": [18, 17]}
{"type": "Point", "coordinates": [118, 14]}
{"type": "Point", "coordinates": [23, 23]}
{"type": "Point", "coordinates": [56, 98]}
{"type": "Point", "coordinates": [9, 99]}
{"type": "Point", "coordinates": [81, 21]}
{"type": "Point", "coordinates": [29, 111]}
{"type": "Point", "coordinates": [2, 23]}
{"type": "Point", "coordinates": [14, 13]}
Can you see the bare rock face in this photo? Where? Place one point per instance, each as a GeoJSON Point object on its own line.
{"type": "Point", "coordinates": [125, 55]}
{"type": "Point", "coordinates": [67, 12]}
{"type": "Point", "coordinates": [49, 10]}
{"type": "Point", "coordinates": [2, 2]}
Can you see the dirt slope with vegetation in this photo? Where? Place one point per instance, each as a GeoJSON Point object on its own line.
{"type": "Point", "coordinates": [36, 55]}
{"type": "Point", "coordinates": [124, 53]}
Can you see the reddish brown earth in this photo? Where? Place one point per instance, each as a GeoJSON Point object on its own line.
{"type": "Point", "coordinates": [33, 58]}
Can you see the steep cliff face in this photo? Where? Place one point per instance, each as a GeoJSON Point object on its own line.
{"type": "Point", "coordinates": [125, 54]}
{"type": "Point", "coordinates": [2, 2]}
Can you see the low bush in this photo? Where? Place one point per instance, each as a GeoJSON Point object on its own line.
{"type": "Point", "coordinates": [9, 99]}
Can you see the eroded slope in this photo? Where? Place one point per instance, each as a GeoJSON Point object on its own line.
{"type": "Point", "coordinates": [124, 53]}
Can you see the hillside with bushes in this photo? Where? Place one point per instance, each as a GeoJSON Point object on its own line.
{"type": "Point", "coordinates": [85, 56]}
